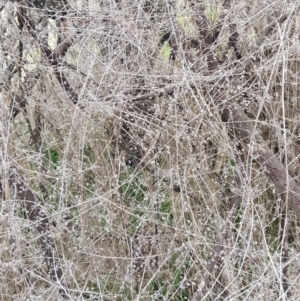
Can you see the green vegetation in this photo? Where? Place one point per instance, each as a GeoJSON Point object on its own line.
{"type": "Point", "coordinates": [166, 51]}
{"type": "Point", "coordinates": [132, 188]}
{"type": "Point", "coordinates": [202, 97]}
{"type": "Point", "coordinates": [272, 238]}
{"type": "Point", "coordinates": [165, 212]}
{"type": "Point", "coordinates": [172, 287]}
{"type": "Point", "coordinates": [186, 22]}
{"type": "Point", "coordinates": [51, 156]}
{"type": "Point", "coordinates": [213, 12]}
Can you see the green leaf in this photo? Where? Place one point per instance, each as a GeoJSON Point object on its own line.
{"type": "Point", "coordinates": [232, 162]}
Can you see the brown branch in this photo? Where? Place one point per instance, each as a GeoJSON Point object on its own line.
{"type": "Point", "coordinates": [20, 13]}
{"type": "Point", "coordinates": [269, 29]}
{"type": "Point", "coordinates": [233, 38]}
{"type": "Point", "coordinates": [67, 87]}
{"type": "Point", "coordinates": [55, 59]}
{"type": "Point", "coordinates": [166, 89]}
{"type": "Point", "coordinates": [42, 225]}
{"type": "Point", "coordinates": [18, 102]}
{"type": "Point", "coordinates": [245, 130]}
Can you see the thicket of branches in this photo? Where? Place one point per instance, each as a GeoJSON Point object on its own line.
{"type": "Point", "coordinates": [149, 150]}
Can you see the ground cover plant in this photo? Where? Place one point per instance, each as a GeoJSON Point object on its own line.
{"type": "Point", "coordinates": [149, 150]}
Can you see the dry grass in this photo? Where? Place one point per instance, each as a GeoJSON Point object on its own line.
{"type": "Point", "coordinates": [153, 199]}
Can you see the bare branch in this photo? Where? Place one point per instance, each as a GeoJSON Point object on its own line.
{"type": "Point", "coordinates": [42, 225]}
